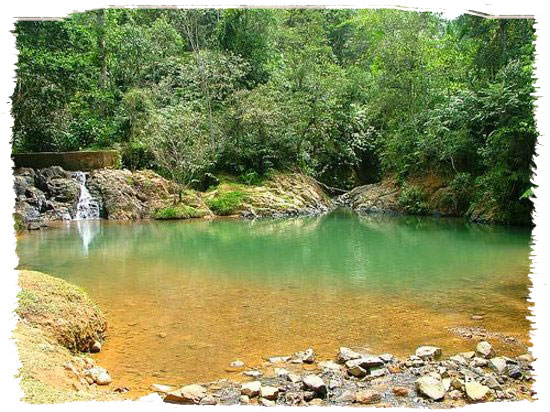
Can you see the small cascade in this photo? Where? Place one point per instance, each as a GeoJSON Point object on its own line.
{"type": "Point", "coordinates": [87, 207]}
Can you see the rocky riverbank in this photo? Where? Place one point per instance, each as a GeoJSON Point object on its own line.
{"type": "Point", "coordinates": [59, 326]}
{"type": "Point", "coordinates": [426, 195]}
{"type": "Point", "coordinates": [52, 194]}
{"type": "Point", "coordinates": [425, 379]}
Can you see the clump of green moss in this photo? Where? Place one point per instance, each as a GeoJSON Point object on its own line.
{"type": "Point", "coordinates": [176, 212]}
{"type": "Point", "coordinates": [226, 203]}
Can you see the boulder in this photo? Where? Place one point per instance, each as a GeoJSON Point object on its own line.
{"type": "Point", "coordinates": [430, 387]}
{"type": "Point", "coordinates": [475, 391]}
{"type": "Point", "coordinates": [357, 371]}
{"type": "Point", "coordinates": [428, 352]}
{"type": "Point", "coordinates": [485, 350]}
{"type": "Point", "coordinates": [498, 365]}
{"type": "Point", "coordinates": [251, 389]}
{"type": "Point", "coordinates": [366, 362]}
{"type": "Point", "coordinates": [190, 394]}
{"type": "Point", "coordinates": [315, 384]}
{"type": "Point", "coordinates": [346, 354]}
{"type": "Point", "coordinates": [98, 375]}
{"type": "Point", "coordinates": [269, 392]}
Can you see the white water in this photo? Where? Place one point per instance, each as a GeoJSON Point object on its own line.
{"type": "Point", "coordinates": [87, 207]}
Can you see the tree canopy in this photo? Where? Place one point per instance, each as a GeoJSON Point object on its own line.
{"type": "Point", "coordinates": [347, 96]}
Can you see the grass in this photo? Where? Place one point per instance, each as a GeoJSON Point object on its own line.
{"type": "Point", "coordinates": [176, 212]}
{"type": "Point", "coordinates": [226, 203]}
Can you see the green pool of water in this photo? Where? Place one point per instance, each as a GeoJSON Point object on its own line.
{"type": "Point", "coordinates": [227, 289]}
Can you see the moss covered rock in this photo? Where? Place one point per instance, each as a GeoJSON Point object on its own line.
{"type": "Point", "coordinates": [283, 194]}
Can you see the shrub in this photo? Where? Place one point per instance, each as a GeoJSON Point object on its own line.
{"type": "Point", "coordinates": [413, 200]}
{"type": "Point", "coordinates": [176, 212]}
{"type": "Point", "coordinates": [226, 203]}
{"type": "Point", "coordinates": [251, 179]}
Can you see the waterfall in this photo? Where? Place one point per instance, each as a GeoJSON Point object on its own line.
{"type": "Point", "coordinates": [87, 207]}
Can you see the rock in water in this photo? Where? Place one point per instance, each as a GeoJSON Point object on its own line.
{"type": "Point", "coordinates": [96, 347]}
{"type": "Point", "coordinates": [98, 375]}
{"type": "Point", "coordinates": [431, 388]}
{"type": "Point", "coordinates": [103, 378]}
{"type": "Point", "coordinates": [155, 387]}
{"type": "Point", "coordinates": [368, 397]}
{"type": "Point", "coordinates": [425, 352]}
{"type": "Point", "coordinates": [316, 384]}
{"type": "Point", "coordinates": [309, 356]}
{"type": "Point", "coordinates": [476, 391]}
{"type": "Point", "coordinates": [485, 349]}
{"type": "Point", "coordinates": [251, 389]}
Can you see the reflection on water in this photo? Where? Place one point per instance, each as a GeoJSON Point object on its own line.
{"type": "Point", "coordinates": [230, 289]}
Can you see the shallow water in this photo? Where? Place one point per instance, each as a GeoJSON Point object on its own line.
{"type": "Point", "coordinates": [183, 299]}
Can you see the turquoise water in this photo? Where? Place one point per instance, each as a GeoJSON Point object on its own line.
{"type": "Point", "coordinates": [248, 289]}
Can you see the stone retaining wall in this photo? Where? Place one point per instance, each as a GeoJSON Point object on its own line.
{"type": "Point", "coordinates": [73, 161]}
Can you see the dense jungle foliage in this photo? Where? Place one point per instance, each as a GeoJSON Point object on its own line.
{"type": "Point", "coordinates": [346, 96]}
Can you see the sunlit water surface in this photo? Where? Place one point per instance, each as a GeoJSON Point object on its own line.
{"type": "Point", "coordinates": [183, 299]}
